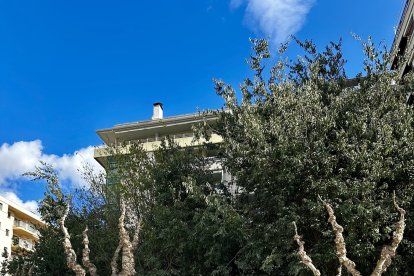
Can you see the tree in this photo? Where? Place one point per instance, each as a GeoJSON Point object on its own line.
{"type": "Point", "coordinates": [4, 263]}
{"type": "Point", "coordinates": [300, 130]}
{"type": "Point", "coordinates": [55, 209]}
{"type": "Point", "coordinates": [190, 227]}
{"type": "Point", "coordinates": [384, 260]}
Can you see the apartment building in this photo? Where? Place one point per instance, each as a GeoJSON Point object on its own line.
{"type": "Point", "coordinates": [18, 228]}
{"type": "Point", "coordinates": [150, 133]}
{"type": "Point", "coordinates": [402, 51]}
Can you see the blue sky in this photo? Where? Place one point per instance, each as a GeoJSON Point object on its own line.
{"type": "Point", "coordinates": [69, 68]}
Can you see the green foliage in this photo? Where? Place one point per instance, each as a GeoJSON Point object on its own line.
{"type": "Point", "coordinates": [187, 215]}
{"type": "Point", "coordinates": [49, 257]}
{"type": "Point", "coordinates": [4, 263]}
{"type": "Point", "coordinates": [189, 225]}
{"type": "Point", "coordinates": [299, 131]}
{"type": "Point", "coordinates": [54, 202]}
{"type": "Point", "coordinates": [303, 131]}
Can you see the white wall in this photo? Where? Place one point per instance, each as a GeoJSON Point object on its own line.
{"type": "Point", "coordinates": [6, 223]}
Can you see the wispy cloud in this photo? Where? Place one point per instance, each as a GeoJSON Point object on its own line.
{"type": "Point", "coordinates": [277, 19]}
{"type": "Point", "coordinates": [21, 157]}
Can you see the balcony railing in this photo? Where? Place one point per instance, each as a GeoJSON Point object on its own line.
{"type": "Point", "coordinates": [23, 243]}
{"type": "Point", "coordinates": [27, 226]}
{"type": "Point", "coordinates": [154, 139]}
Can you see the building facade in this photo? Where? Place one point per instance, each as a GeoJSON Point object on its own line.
{"type": "Point", "coordinates": [150, 133]}
{"type": "Point", "coordinates": [18, 229]}
{"type": "Point", "coordinates": [402, 51]}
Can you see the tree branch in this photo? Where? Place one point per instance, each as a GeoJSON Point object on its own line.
{"type": "Point", "coordinates": [306, 260]}
{"type": "Point", "coordinates": [127, 256]}
{"type": "Point", "coordinates": [85, 254]}
{"type": "Point", "coordinates": [114, 264]}
{"type": "Point", "coordinates": [135, 240]}
{"type": "Point", "coordinates": [389, 251]}
{"type": "Point", "coordinates": [69, 252]}
{"type": "Point", "coordinates": [340, 242]}
{"type": "Point", "coordinates": [339, 273]}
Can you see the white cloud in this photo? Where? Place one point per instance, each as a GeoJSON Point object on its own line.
{"type": "Point", "coordinates": [28, 205]}
{"type": "Point", "coordinates": [18, 158]}
{"type": "Point", "coordinates": [22, 157]}
{"type": "Point", "coordinates": [277, 19]}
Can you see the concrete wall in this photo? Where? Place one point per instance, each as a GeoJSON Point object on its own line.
{"type": "Point", "coordinates": [6, 229]}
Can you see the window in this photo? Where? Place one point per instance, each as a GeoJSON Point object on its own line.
{"type": "Point", "coordinates": [1, 206]}
{"type": "Point", "coordinates": [7, 232]}
{"type": "Point", "coordinates": [8, 214]}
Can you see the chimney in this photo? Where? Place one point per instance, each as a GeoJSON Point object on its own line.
{"type": "Point", "coordinates": [157, 113]}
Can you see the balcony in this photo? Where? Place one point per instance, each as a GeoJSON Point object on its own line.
{"type": "Point", "coordinates": [25, 228]}
{"type": "Point", "coordinates": [151, 144]}
{"type": "Point", "coordinates": [19, 243]}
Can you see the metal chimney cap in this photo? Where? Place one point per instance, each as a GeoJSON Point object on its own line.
{"type": "Point", "coordinates": [158, 104]}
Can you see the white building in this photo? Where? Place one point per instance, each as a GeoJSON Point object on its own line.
{"type": "Point", "coordinates": [402, 51]}
{"type": "Point", "coordinates": [18, 228]}
{"type": "Point", "coordinates": [150, 133]}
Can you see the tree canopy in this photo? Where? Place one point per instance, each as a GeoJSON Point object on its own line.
{"type": "Point", "coordinates": [298, 136]}
{"type": "Point", "coordinates": [303, 131]}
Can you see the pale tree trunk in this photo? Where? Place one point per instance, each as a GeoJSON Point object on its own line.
{"type": "Point", "coordinates": [340, 243]}
{"type": "Point", "coordinates": [339, 273]}
{"type": "Point", "coordinates": [389, 250]}
{"type": "Point", "coordinates": [69, 252]}
{"type": "Point", "coordinates": [126, 247]}
{"type": "Point", "coordinates": [85, 254]}
{"type": "Point", "coordinates": [135, 240]}
{"type": "Point", "coordinates": [306, 260]}
{"type": "Point", "coordinates": [114, 262]}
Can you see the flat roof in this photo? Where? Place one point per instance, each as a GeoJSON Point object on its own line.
{"type": "Point", "coordinates": [149, 127]}
{"type": "Point", "coordinates": [21, 209]}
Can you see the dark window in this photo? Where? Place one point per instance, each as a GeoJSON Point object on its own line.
{"type": "Point", "coordinates": [410, 28]}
